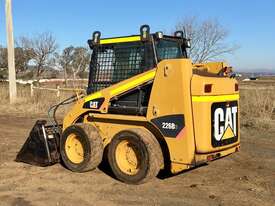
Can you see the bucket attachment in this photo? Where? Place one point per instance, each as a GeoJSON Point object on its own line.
{"type": "Point", "coordinates": [42, 146]}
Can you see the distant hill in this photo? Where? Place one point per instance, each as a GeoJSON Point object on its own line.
{"type": "Point", "coordinates": [256, 72]}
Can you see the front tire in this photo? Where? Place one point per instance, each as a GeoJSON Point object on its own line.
{"type": "Point", "coordinates": [135, 156]}
{"type": "Point", "coordinates": [81, 147]}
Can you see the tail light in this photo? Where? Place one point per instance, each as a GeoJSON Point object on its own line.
{"type": "Point", "coordinates": [208, 88]}
{"type": "Point", "coordinates": [236, 87]}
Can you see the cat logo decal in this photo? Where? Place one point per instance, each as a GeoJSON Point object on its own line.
{"type": "Point", "coordinates": [224, 123]}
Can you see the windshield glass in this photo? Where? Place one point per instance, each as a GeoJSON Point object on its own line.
{"type": "Point", "coordinates": [168, 49]}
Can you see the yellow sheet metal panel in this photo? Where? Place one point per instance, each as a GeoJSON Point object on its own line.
{"type": "Point", "coordinates": [120, 40]}
{"type": "Point", "coordinates": [202, 158]}
{"type": "Point", "coordinates": [220, 85]}
{"type": "Point", "coordinates": [211, 67]}
{"type": "Point", "coordinates": [75, 112]}
{"type": "Point", "coordinates": [178, 167]}
{"type": "Point", "coordinates": [205, 124]}
{"type": "Point", "coordinates": [170, 95]}
{"type": "Point", "coordinates": [119, 117]}
{"type": "Point", "coordinates": [215, 67]}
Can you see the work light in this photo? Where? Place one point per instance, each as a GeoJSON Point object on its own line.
{"type": "Point", "coordinates": [96, 37]}
{"type": "Point", "coordinates": [159, 35]}
{"type": "Point", "coordinates": [145, 32]}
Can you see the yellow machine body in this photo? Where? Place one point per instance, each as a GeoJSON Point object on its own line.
{"type": "Point", "coordinates": [208, 131]}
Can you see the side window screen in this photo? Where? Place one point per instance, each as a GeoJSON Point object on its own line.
{"type": "Point", "coordinates": [168, 49]}
{"type": "Point", "coordinates": [112, 63]}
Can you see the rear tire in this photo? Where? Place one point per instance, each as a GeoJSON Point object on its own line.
{"type": "Point", "coordinates": [135, 156]}
{"type": "Point", "coordinates": [81, 147]}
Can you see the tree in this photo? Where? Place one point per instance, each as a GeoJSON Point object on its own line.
{"type": "Point", "coordinates": [23, 53]}
{"type": "Point", "coordinates": [22, 58]}
{"type": "Point", "coordinates": [80, 60]}
{"type": "Point", "coordinates": [3, 63]}
{"type": "Point", "coordinates": [44, 47]}
{"type": "Point", "coordinates": [208, 39]}
{"type": "Point", "coordinates": [3, 58]}
{"type": "Point", "coordinates": [40, 49]}
{"type": "Point", "coordinates": [74, 61]}
{"type": "Point", "coordinates": [65, 61]}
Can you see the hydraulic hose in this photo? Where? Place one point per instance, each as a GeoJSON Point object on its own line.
{"type": "Point", "coordinates": [52, 113]}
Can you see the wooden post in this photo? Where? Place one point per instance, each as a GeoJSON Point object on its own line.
{"type": "Point", "coordinates": [10, 47]}
{"type": "Point", "coordinates": [31, 89]}
{"type": "Point", "coordinates": [58, 91]}
{"type": "Point", "coordinates": [65, 76]}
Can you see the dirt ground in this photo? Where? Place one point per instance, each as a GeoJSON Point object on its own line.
{"type": "Point", "coordinates": [244, 178]}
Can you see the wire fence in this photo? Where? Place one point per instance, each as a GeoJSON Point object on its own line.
{"type": "Point", "coordinates": [57, 90]}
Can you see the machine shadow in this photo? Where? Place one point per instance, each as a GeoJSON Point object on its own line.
{"type": "Point", "coordinates": [162, 175]}
{"type": "Point", "coordinates": [104, 166]}
{"type": "Point", "coordinates": [165, 173]}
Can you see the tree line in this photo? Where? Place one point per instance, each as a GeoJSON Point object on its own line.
{"type": "Point", "coordinates": [41, 53]}
{"type": "Point", "coordinates": [208, 42]}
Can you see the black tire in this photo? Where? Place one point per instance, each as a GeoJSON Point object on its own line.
{"type": "Point", "coordinates": [91, 143]}
{"type": "Point", "coordinates": [149, 152]}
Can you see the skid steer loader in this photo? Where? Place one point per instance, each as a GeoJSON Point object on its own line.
{"type": "Point", "coordinates": [147, 107]}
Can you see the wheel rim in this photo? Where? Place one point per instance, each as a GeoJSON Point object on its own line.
{"type": "Point", "coordinates": [74, 149]}
{"type": "Point", "coordinates": [127, 157]}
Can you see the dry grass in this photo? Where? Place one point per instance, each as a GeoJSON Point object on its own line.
{"type": "Point", "coordinates": [257, 101]}
{"type": "Point", "coordinates": [38, 104]}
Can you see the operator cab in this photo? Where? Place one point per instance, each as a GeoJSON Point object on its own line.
{"type": "Point", "coordinates": [116, 59]}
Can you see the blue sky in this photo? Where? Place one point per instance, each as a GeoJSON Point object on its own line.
{"type": "Point", "coordinates": [251, 23]}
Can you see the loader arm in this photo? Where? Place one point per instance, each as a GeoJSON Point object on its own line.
{"type": "Point", "coordinates": [98, 102]}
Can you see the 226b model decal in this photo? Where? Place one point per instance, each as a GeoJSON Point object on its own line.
{"type": "Point", "coordinates": [170, 125]}
{"type": "Point", "coordinates": [224, 123]}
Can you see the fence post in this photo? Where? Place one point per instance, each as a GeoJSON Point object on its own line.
{"type": "Point", "coordinates": [58, 91]}
{"type": "Point", "coordinates": [31, 89]}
